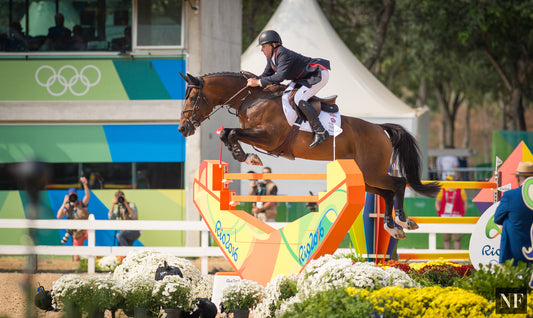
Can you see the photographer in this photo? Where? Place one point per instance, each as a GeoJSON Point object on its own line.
{"type": "Point", "coordinates": [121, 209]}
{"type": "Point", "coordinates": [264, 211]}
{"type": "Point", "coordinates": [73, 208]}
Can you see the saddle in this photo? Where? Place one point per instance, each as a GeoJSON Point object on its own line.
{"type": "Point", "coordinates": [319, 104]}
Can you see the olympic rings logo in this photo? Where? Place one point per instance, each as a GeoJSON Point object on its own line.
{"type": "Point", "coordinates": [70, 84]}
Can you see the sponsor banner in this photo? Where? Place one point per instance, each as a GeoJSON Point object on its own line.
{"type": "Point", "coordinates": [78, 80]}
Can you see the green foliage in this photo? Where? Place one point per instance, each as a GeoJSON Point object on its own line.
{"type": "Point", "coordinates": [354, 257]}
{"type": "Point", "coordinates": [331, 303]}
{"type": "Point", "coordinates": [485, 281]}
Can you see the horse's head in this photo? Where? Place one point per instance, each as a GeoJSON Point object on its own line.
{"type": "Point", "coordinates": [196, 107]}
{"type": "Point", "coordinates": [216, 90]}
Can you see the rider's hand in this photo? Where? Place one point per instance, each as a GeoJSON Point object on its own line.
{"type": "Point", "coordinates": [253, 82]}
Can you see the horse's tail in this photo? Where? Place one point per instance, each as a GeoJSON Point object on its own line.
{"type": "Point", "coordinates": [407, 155]}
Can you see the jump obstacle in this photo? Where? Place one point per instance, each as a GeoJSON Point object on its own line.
{"type": "Point", "coordinates": [260, 252]}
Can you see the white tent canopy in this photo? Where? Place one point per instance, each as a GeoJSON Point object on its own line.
{"type": "Point", "coordinates": [304, 29]}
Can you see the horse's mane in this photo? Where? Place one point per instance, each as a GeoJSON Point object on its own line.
{"type": "Point", "coordinates": [234, 74]}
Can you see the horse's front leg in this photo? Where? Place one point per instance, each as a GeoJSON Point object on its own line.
{"type": "Point", "coordinates": [230, 138]}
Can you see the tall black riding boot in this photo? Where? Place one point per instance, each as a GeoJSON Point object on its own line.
{"type": "Point", "coordinates": [320, 134]}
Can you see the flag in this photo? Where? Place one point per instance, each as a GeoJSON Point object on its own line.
{"type": "Point", "coordinates": [498, 162]}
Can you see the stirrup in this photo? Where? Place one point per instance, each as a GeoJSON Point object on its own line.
{"type": "Point", "coordinates": [319, 138]}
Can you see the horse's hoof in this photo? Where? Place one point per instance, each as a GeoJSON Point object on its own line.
{"type": "Point", "coordinates": [395, 232]}
{"type": "Point", "coordinates": [253, 159]}
{"type": "Point", "coordinates": [408, 224]}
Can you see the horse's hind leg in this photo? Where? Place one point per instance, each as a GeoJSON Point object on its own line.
{"type": "Point", "coordinates": [388, 221]}
{"type": "Point", "coordinates": [401, 217]}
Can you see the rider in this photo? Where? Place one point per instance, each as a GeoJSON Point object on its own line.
{"type": "Point", "coordinates": [309, 75]}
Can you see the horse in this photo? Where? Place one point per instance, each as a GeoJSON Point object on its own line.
{"type": "Point", "coordinates": [264, 126]}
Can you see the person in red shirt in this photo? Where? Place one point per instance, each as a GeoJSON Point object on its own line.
{"type": "Point", "coordinates": [451, 203]}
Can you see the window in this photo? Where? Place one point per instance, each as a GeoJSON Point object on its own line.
{"type": "Point", "coordinates": [90, 25]}
{"type": "Point", "coordinates": [159, 23]}
{"type": "Point", "coordinates": [113, 175]}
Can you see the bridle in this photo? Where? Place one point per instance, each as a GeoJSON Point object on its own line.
{"type": "Point", "coordinates": [194, 117]}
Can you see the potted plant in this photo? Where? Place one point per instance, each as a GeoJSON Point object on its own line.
{"type": "Point", "coordinates": [174, 294]}
{"type": "Point", "coordinates": [67, 294]}
{"type": "Point", "coordinates": [139, 297]}
{"type": "Point", "coordinates": [241, 297]}
{"type": "Point", "coordinates": [102, 293]}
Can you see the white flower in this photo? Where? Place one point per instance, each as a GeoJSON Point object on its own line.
{"type": "Point", "coordinates": [333, 272]}
{"type": "Point", "coordinates": [204, 288]}
{"type": "Point", "coordinates": [272, 294]}
{"type": "Point", "coordinates": [64, 289]}
{"type": "Point", "coordinates": [244, 294]}
{"type": "Point", "coordinates": [107, 263]}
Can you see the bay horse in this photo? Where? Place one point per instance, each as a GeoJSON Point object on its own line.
{"type": "Point", "coordinates": [264, 126]}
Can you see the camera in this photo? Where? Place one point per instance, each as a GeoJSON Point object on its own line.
{"type": "Point", "coordinates": [121, 200]}
{"type": "Point", "coordinates": [67, 235]}
{"type": "Point", "coordinates": [73, 198]}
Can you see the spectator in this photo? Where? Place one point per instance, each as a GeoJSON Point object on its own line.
{"type": "Point", "coordinates": [96, 181]}
{"type": "Point", "coordinates": [121, 209]}
{"type": "Point", "coordinates": [264, 211]}
{"type": "Point", "coordinates": [59, 37]}
{"type": "Point", "coordinates": [516, 219]}
{"type": "Point", "coordinates": [79, 43]}
{"type": "Point", "coordinates": [73, 208]}
{"type": "Point", "coordinates": [451, 203]}
{"type": "Point", "coordinates": [447, 165]}
{"type": "Point", "coordinates": [18, 39]}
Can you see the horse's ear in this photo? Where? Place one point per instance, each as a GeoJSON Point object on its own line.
{"type": "Point", "coordinates": [193, 80]}
{"type": "Point", "coordinates": [184, 77]}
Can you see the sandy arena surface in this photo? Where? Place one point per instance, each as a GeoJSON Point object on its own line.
{"type": "Point", "coordinates": [13, 278]}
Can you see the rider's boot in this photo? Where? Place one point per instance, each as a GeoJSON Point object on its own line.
{"type": "Point", "coordinates": [320, 134]}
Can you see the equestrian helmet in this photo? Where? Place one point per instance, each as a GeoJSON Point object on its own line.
{"type": "Point", "coordinates": [269, 36]}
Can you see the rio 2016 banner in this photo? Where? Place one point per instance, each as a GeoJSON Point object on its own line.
{"type": "Point", "coordinates": [77, 80]}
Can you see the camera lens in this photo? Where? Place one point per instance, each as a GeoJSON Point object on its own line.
{"type": "Point", "coordinates": [120, 199]}
{"type": "Point", "coordinates": [65, 238]}
{"type": "Point", "coordinates": [73, 197]}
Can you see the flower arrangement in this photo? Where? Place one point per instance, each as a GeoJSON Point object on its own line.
{"type": "Point", "coordinates": [244, 294]}
{"type": "Point", "coordinates": [439, 272]}
{"type": "Point", "coordinates": [66, 292]}
{"type": "Point", "coordinates": [101, 293]}
{"type": "Point", "coordinates": [139, 294]}
{"type": "Point", "coordinates": [173, 292]}
{"type": "Point", "coordinates": [332, 272]}
{"type": "Point", "coordinates": [145, 263]}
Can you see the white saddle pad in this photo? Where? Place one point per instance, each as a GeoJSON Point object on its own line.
{"type": "Point", "coordinates": [328, 120]}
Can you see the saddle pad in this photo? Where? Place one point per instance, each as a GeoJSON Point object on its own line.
{"type": "Point", "coordinates": [328, 120]}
